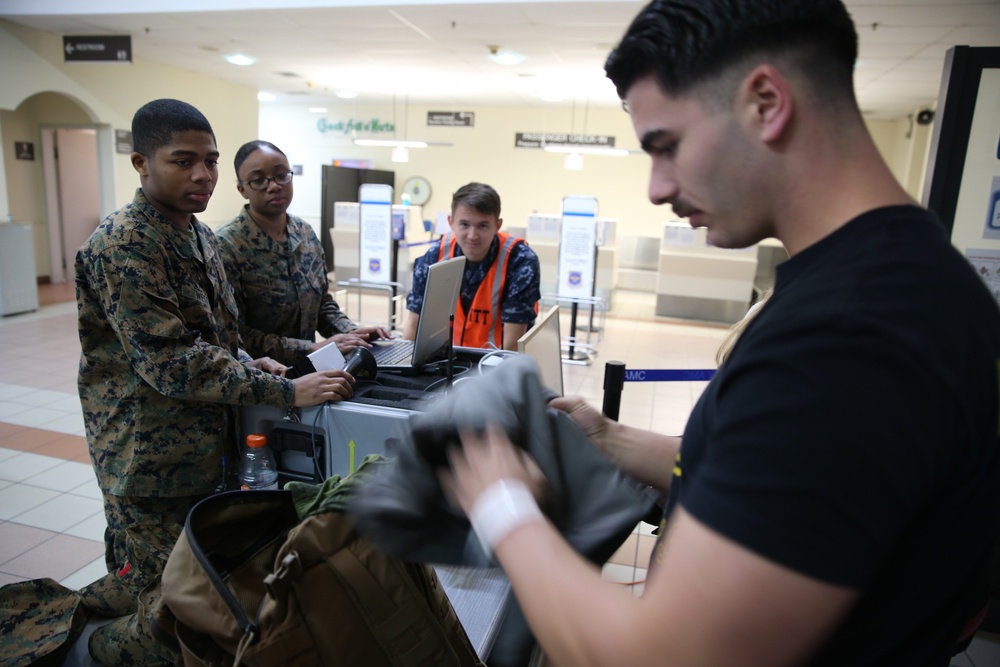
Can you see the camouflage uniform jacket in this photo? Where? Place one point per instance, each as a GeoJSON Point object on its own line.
{"type": "Point", "coordinates": [281, 288]}
{"type": "Point", "coordinates": [160, 355]}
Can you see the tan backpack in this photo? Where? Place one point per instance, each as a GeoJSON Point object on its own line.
{"type": "Point", "coordinates": [248, 583]}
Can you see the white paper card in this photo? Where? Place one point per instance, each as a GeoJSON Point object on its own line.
{"type": "Point", "coordinates": [327, 358]}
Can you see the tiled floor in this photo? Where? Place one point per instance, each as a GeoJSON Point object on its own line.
{"type": "Point", "coordinates": [51, 518]}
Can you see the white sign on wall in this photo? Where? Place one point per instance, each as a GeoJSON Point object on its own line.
{"type": "Point", "coordinates": [376, 233]}
{"type": "Point", "coordinates": [577, 247]}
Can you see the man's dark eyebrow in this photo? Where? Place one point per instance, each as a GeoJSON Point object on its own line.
{"type": "Point", "coordinates": [649, 138]}
{"type": "Point", "coordinates": [180, 152]}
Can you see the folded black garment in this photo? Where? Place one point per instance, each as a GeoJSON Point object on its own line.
{"type": "Point", "coordinates": [403, 510]}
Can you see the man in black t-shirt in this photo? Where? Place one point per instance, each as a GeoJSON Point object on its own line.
{"type": "Point", "coordinates": [836, 493]}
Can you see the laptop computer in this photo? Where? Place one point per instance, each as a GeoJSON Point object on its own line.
{"type": "Point", "coordinates": [543, 343]}
{"type": "Point", "coordinates": [444, 280]}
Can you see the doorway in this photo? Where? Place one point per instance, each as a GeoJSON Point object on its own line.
{"type": "Point", "coordinates": [72, 193]}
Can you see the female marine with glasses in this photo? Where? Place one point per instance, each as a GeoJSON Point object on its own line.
{"type": "Point", "coordinates": [275, 263]}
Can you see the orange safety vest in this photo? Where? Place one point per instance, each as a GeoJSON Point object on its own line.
{"type": "Point", "coordinates": [482, 327]}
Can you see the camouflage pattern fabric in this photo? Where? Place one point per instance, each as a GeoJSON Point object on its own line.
{"type": "Point", "coordinates": [140, 534]}
{"type": "Point", "coordinates": [39, 621]}
{"type": "Point", "coordinates": [129, 641]}
{"type": "Point", "coordinates": [159, 337]}
{"type": "Point", "coordinates": [282, 289]}
{"type": "Point", "coordinates": [521, 292]}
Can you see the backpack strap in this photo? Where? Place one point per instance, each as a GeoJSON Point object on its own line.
{"type": "Point", "coordinates": [395, 626]}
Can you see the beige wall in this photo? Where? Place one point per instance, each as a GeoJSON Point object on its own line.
{"type": "Point", "coordinates": [904, 146]}
{"type": "Point", "coordinates": [529, 180]}
{"type": "Point", "coordinates": [102, 95]}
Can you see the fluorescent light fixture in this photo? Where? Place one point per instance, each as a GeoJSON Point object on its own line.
{"type": "Point", "coordinates": [390, 142]}
{"type": "Point", "coordinates": [552, 95]}
{"type": "Point", "coordinates": [346, 94]}
{"type": "Point", "coordinates": [573, 162]}
{"type": "Point", "coordinates": [400, 154]}
{"type": "Point", "coordinates": [265, 97]}
{"type": "Point", "coordinates": [240, 59]}
{"type": "Point", "coordinates": [506, 58]}
{"type": "Point", "coordinates": [318, 109]}
{"type": "Point", "coordinates": [585, 150]}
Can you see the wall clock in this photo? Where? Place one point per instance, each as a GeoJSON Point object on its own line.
{"type": "Point", "coordinates": [419, 190]}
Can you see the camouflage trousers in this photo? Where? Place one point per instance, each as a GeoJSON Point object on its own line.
{"type": "Point", "coordinates": [140, 535]}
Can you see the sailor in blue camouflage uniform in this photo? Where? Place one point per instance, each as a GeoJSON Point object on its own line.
{"type": "Point", "coordinates": [276, 265]}
{"type": "Point", "coordinates": [161, 366]}
{"type": "Point", "coordinates": [496, 264]}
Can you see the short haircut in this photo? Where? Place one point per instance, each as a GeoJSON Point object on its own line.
{"type": "Point", "coordinates": [684, 44]}
{"type": "Point", "coordinates": [250, 147]}
{"type": "Point", "coordinates": [156, 123]}
{"type": "Point", "coordinates": [478, 196]}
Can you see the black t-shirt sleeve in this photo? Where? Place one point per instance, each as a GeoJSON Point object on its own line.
{"type": "Point", "coordinates": [814, 462]}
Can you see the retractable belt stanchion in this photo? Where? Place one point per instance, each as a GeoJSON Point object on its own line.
{"type": "Point", "coordinates": [614, 382]}
{"type": "Point", "coordinates": [615, 377]}
{"type": "Point", "coordinates": [572, 330]}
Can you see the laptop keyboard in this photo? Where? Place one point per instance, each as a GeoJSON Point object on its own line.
{"type": "Point", "coordinates": [396, 354]}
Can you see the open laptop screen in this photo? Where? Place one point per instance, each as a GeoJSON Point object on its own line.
{"type": "Point", "coordinates": [543, 343]}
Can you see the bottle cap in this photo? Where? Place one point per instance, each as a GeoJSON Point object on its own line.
{"type": "Point", "coordinates": [255, 440]}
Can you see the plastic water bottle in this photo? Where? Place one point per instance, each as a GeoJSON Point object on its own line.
{"type": "Point", "coordinates": [258, 471]}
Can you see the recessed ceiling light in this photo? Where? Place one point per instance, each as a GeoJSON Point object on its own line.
{"type": "Point", "coordinates": [346, 94]}
{"type": "Point", "coordinates": [265, 97]}
{"type": "Point", "coordinates": [240, 59]}
{"type": "Point", "coordinates": [318, 109]}
{"type": "Point", "coordinates": [506, 58]}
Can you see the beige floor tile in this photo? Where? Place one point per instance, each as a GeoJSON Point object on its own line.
{"type": "Point", "coordinates": [58, 557]}
{"type": "Point", "coordinates": [29, 439]}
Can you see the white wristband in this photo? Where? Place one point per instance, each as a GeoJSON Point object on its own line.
{"type": "Point", "coordinates": [502, 507]}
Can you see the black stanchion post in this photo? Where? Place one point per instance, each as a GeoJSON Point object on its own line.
{"type": "Point", "coordinates": [393, 278]}
{"type": "Point", "coordinates": [614, 382]}
{"type": "Point", "coordinates": [451, 351]}
{"type": "Point", "coordinates": [572, 330]}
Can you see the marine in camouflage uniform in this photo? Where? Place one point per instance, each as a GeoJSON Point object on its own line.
{"type": "Point", "coordinates": [519, 301]}
{"type": "Point", "coordinates": [159, 370]}
{"type": "Point", "coordinates": [282, 289]}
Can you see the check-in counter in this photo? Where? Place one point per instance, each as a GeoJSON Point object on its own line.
{"type": "Point", "coordinates": [770, 253]}
{"type": "Point", "coordinates": [698, 281]}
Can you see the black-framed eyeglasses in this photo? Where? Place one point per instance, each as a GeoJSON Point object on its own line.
{"type": "Point", "coordinates": [284, 178]}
